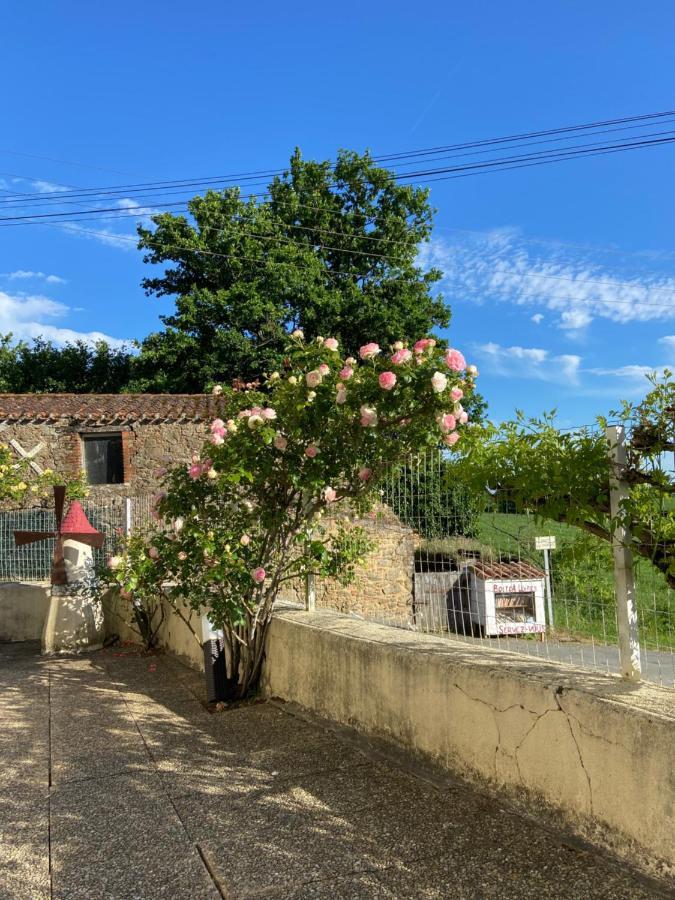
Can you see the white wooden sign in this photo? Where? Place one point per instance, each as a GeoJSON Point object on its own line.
{"type": "Point", "coordinates": [545, 542]}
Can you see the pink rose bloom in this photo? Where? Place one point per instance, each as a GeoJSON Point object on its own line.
{"type": "Point", "coordinates": [365, 473]}
{"type": "Point", "coordinates": [329, 495]}
{"type": "Point", "coordinates": [217, 439]}
{"type": "Point", "coordinates": [368, 417]}
{"type": "Point", "coordinates": [341, 396]}
{"type": "Point", "coordinates": [346, 373]}
{"type": "Point", "coordinates": [194, 471]}
{"type": "Point", "coordinates": [153, 553]}
{"type": "Point", "coordinates": [280, 442]}
{"type": "Point", "coordinates": [269, 414]}
{"type": "Point", "coordinates": [456, 394]}
{"type": "Point", "coordinates": [330, 344]}
{"type": "Point", "coordinates": [369, 351]}
{"type": "Point", "coordinates": [439, 382]}
{"type": "Point", "coordinates": [387, 380]}
{"type": "Point", "coordinates": [424, 344]}
{"type": "Point", "coordinates": [398, 345]}
{"type": "Point", "coordinates": [451, 439]}
{"type": "Point", "coordinates": [207, 464]}
{"type": "Point", "coordinates": [463, 417]}
{"type": "Point", "coordinates": [313, 378]}
{"type": "Point", "coordinates": [350, 361]}
{"type": "Point", "coordinates": [244, 414]}
{"type": "Point", "coordinates": [182, 556]}
{"type": "Point", "coordinates": [454, 360]}
{"type": "Point", "coordinates": [259, 575]}
{"type": "Point", "coordinates": [311, 451]}
{"type": "Point", "coordinates": [217, 425]}
{"type": "Point", "coordinates": [324, 369]}
{"type": "Point", "coordinates": [448, 422]}
{"type": "Point", "coordinates": [401, 356]}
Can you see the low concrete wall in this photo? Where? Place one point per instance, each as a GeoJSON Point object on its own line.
{"type": "Point", "coordinates": [23, 608]}
{"type": "Point", "coordinates": [592, 747]}
{"type": "Point", "coordinates": [174, 635]}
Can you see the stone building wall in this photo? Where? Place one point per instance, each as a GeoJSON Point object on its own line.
{"type": "Point", "coordinates": [145, 447]}
{"type": "Point", "coordinates": [383, 586]}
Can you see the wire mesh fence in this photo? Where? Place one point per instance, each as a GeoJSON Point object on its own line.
{"type": "Point", "coordinates": [484, 573]}
{"type": "Point", "coordinates": [32, 562]}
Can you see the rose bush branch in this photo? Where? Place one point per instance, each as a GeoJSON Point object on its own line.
{"type": "Point", "coordinates": [246, 515]}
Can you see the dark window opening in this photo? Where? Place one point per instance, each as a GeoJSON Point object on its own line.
{"type": "Point", "coordinates": [103, 461]}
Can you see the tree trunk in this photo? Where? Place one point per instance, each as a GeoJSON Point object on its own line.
{"type": "Point", "coordinates": [244, 654]}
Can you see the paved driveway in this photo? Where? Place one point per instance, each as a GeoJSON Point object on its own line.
{"type": "Point", "coordinates": [116, 782]}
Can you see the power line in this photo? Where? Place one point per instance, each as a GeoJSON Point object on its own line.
{"type": "Point", "coordinates": [258, 174]}
{"type": "Point", "coordinates": [521, 161]}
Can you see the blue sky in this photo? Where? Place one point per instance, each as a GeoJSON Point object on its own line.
{"type": "Point", "coordinates": [535, 259]}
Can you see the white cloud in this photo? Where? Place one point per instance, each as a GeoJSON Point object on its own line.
{"type": "Point", "coordinates": [101, 235]}
{"type": "Point", "coordinates": [24, 316]}
{"type": "Point", "coordinates": [537, 318]}
{"type": "Point", "coordinates": [26, 273]}
{"type": "Point", "coordinates": [496, 265]}
{"type": "Point", "coordinates": [668, 342]}
{"type": "Point", "coordinates": [45, 187]}
{"type": "Point", "coordinates": [530, 362]}
{"type": "Point", "coordinates": [575, 319]}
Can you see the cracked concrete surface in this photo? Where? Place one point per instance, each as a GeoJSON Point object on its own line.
{"type": "Point", "coordinates": [116, 782]}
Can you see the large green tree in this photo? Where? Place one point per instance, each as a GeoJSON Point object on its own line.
{"type": "Point", "coordinates": [332, 248]}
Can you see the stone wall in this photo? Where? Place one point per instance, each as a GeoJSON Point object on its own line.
{"type": "Point", "coordinates": [383, 586]}
{"type": "Point", "coordinates": [145, 448]}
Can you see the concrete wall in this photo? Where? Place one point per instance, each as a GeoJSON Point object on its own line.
{"type": "Point", "coordinates": [593, 748]}
{"type": "Point", "coordinates": [174, 635]}
{"type": "Point", "coordinates": [23, 608]}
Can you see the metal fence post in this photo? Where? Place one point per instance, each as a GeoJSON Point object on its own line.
{"type": "Point", "coordinates": [310, 591]}
{"type": "Point", "coordinates": [127, 516]}
{"type": "Point", "coordinates": [624, 579]}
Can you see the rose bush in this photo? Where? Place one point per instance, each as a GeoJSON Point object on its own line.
{"type": "Point", "coordinates": [245, 515]}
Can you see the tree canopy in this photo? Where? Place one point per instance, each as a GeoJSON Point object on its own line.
{"type": "Point", "coordinates": [77, 368]}
{"type": "Point", "coordinates": [331, 248]}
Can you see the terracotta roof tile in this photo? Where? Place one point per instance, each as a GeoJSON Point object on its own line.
{"type": "Point", "coordinates": [511, 571]}
{"type": "Point", "coordinates": [107, 409]}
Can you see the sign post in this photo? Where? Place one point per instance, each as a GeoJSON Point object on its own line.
{"type": "Point", "coordinates": [547, 543]}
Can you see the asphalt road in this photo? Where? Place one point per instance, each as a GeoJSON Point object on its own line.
{"type": "Point", "coordinates": [657, 665]}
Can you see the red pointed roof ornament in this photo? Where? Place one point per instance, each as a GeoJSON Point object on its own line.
{"type": "Point", "coordinates": [76, 522]}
